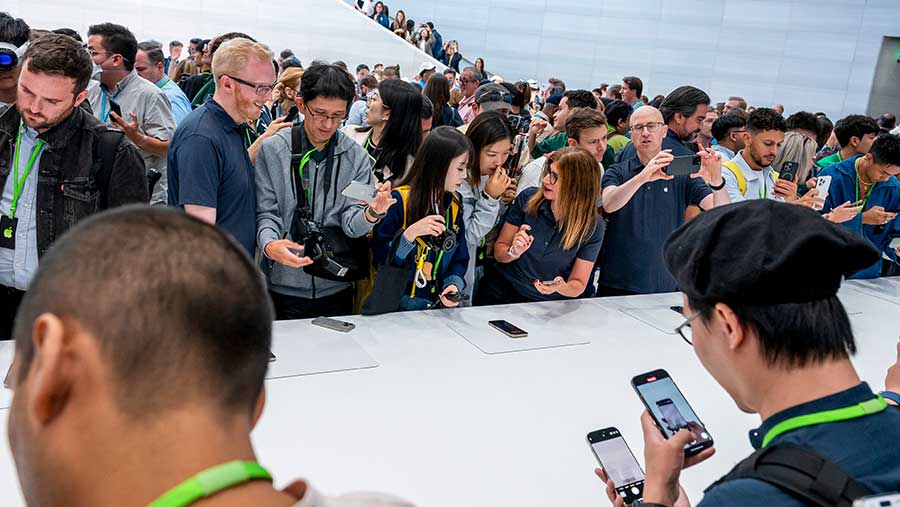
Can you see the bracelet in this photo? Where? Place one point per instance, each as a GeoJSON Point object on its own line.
{"type": "Point", "coordinates": [720, 187]}
{"type": "Point", "coordinates": [510, 253]}
{"type": "Point", "coordinates": [373, 214]}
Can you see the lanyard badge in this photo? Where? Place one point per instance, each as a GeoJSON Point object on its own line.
{"type": "Point", "coordinates": [8, 222]}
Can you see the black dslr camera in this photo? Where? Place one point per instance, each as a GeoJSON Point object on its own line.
{"type": "Point", "coordinates": [307, 232]}
{"type": "Point", "coordinates": [444, 242]}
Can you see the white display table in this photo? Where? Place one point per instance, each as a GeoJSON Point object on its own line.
{"type": "Point", "coordinates": [445, 425]}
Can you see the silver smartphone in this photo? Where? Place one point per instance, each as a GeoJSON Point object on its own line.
{"type": "Point", "coordinates": [359, 191]}
{"type": "Point", "coordinates": [6, 383]}
{"type": "Point", "coordinates": [334, 324]}
{"type": "Point", "coordinates": [885, 500]}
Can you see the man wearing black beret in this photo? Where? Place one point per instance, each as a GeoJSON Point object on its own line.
{"type": "Point", "coordinates": [760, 282]}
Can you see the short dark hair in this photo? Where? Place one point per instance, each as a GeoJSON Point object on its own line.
{"type": "Point", "coordinates": [370, 82]}
{"type": "Point", "coordinates": [161, 328]}
{"type": "Point", "coordinates": [616, 91]}
{"type": "Point", "coordinates": [326, 80]}
{"type": "Point", "coordinates": [286, 53]}
{"type": "Point", "coordinates": [794, 334]}
{"type": "Point", "coordinates": [196, 40]}
{"type": "Point", "coordinates": [60, 55]}
{"type": "Point", "coordinates": [449, 70]}
{"type": "Point", "coordinates": [886, 150]}
{"type": "Point", "coordinates": [13, 31]}
{"type": "Point", "coordinates": [887, 121]}
{"type": "Point", "coordinates": [427, 108]}
{"type": "Point", "coordinates": [117, 39]}
{"type": "Point", "coordinates": [69, 32]}
{"type": "Point", "coordinates": [556, 82]}
{"type": "Point", "coordinates": [725, 124]}
{"type": "Point", "coordinates": [683, 100]}
{"type": "Point", "coordinates": [518, 98]}
{"type": "Point", "coordinates": [175, 44]}
{"type": "Point", "coordinates": [582, 119]}
{"type": "Point", "coordinates": [341, 64]}
{"type": "Point", "coordinates": [802, 120]}
{"type": "Point", "coordinates": [154, 52]}
{"type": "Point", "coordinates": [635, 84]}
{"type": "Point", "coordinates": [763, 119]}
{"type": "Point", "coordinates": [617, 110]}
{"type": "Point", "coordinates": [855, 125]}
{"type": "Point", "coordinates": [580, 98]}
{"type": "Point", "coordinates": [390, 72]}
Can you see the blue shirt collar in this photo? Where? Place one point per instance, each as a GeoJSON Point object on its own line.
{"type": "Point", "coordinates": [225, 120]}
{"type": "Point", "coordinates": [846, 398]}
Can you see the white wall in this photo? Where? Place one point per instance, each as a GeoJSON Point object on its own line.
{"type": "Point", "coordinates": [314, 29]}
{"type": "Point", "coordinates": [806, 54]}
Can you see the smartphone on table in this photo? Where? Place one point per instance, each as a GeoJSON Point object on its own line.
{"type": "Point", "coordinates": [508, 328]}
{"type": "Point", "coordinates": [683, 165]}
{"type": "Point", "coordinates": [334, 324]}
{"type": "Point", "coordinates": [618, 463]}
{"type": "Point", "coordinates": [670, 410]}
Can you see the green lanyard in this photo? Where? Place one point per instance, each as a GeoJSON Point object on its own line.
{"type": "Point", "coordinates": [303, 162]}
{"type": "Point", "coordinates": [164, 82]}
{"type": "Point", "coordinates": [19, 184]}
{"type": "Point", "coordinates": [211, 481]}
{"type": "Point", "coordinates": [857, 187]}
{"type": "Point", "coordinates": [869, 407]}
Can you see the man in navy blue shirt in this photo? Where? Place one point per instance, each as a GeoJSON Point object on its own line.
{"type": "Point", "coordinates": [683, 112]}
{"type": "Point", "coordinates": [739, 285]}
{"type": "Point", "coordinates": [643, 206]}
{"type": "Point", "coordinates": [210, 172]}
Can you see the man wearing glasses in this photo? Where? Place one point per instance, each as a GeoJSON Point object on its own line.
{"type": "Point", "coordinates": [323, 162]}
{"type": "Point", "coordinates": [129, 102]}
{"type": "Point", "coordinates": [210, 172]}
{"type": "Point", "coordinates": [469, 80]}
{"type": "Point", "coordinates": [727, 132]}
{"type": "Point", "coordinates": [644, 205]}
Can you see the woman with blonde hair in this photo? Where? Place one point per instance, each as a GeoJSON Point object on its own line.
{"type": "Point", "coordinates": [800, 149]}
{"type": "Point", "coordinates": [551, 239]}
{"type": "Point", "coordinates": [285, 92]}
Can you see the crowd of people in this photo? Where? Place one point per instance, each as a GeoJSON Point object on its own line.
{"type": "Point", "coordinates": [421, 35]}
{"type": "Point", "coordinates": [365, 192]}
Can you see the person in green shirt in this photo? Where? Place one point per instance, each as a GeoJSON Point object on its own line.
{"type": "Point", "coordinates": [558, 139]}
{"type": "Point", "coordinates": [855, 134]}
{"type": "Point", "coordinates": [618, 113]}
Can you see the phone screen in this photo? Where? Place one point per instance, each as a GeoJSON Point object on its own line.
{"type": "Point", "coordinates": [670, 410]}
{"type": "Point", "coordinates": [618, 462]}
{"type": "Point", "coordinates": [507, 328]}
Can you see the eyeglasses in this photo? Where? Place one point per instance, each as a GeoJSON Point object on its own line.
{"type": "Point", "coordinates": [260, 89]}
{"type": "Point", "coordinates": [685, 327]}
{"type": "Point", "coordinates": [651, 127]}
{"type": "Point", "coordinates": [554, 177]}
{"type": "Point", "coordinates": [94, 52]}
{"type": "Point", "coordinates": [323, 116]}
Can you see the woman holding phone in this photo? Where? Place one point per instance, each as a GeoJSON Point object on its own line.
{"type": "Point", "coordinates": [428, 212]}
{"type": "Point", "coordinates": [551, 239]}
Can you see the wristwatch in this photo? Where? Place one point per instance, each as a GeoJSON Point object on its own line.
{"type": "Point", "coordinates": [373, 214]}
{"type": "Point", "coordinates": [890, 395]}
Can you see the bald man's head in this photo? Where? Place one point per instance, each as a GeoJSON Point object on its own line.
{"type": "Point", "coordinates": [647, 130]}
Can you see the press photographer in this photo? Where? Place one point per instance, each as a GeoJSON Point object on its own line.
{"type": "Point", "coordinates": [313, 237]}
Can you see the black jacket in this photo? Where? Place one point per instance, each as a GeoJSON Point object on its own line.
{"type": "Point", "coordinates": [67, 189]}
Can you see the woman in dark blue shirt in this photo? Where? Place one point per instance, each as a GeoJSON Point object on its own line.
{"type": "Point", "coordinates": [413, 232]}
{"type": "Point", "coordinates": [551, 239]}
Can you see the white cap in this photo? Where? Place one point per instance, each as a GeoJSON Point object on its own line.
{"type": "Point", "coordinates": [426, 66]}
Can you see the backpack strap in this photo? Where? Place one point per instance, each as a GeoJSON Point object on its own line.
{"type": "Point", "coordinates": [106, 144]}
{"type": "Point", "coordinates": [801, 472]}
{"type": "Point", "coordinates": [738, 174]}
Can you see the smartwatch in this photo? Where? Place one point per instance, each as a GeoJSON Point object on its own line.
{"type": "Point", "coordinates": [890, 395]}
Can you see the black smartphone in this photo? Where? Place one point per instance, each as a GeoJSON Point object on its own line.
{"type": "Point", "coordinates": [508, 329]}
{"type": "Point", "coordinates": [670, 410]}
{"type": "Point", "coordinates": [618, 462]}
{"type": "Point", "coordinates": [292, 114]}
{"type": "Point", "coordinates": [683, 165]}
{"type": "Point", "coordinates": [455, 297]}
{"type": "Point", "coordinates": [116, 108]}
{"type": "Point", "coordinates": [788, 171]}
{"type": "Point", "coordinates": [677, 309]}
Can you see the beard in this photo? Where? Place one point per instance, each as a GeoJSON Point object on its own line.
{"type": "Point", "coordinates": [43, 122]}
{"type": "Point", "coordinates": [756, 158]}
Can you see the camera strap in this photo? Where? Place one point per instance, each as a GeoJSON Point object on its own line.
{"type": "Point", "coordinates": [301, 152]}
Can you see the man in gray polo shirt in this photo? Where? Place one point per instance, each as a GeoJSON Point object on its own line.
{"type": "Point", "coordinates": [146, 114]}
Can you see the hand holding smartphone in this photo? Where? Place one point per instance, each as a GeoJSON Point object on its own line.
{"type": "Point", "coordinates": [618, 463]}
{"type": "Point", "coordinates": [670, 410]}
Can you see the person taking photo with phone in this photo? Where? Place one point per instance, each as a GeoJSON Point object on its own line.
{"type": "Point", "coordinates": [425, 228]}
{"type": "Point", "coordinates": [870, 182]}
{"type": "Point", "coordinates": [300, 174]}
{"type": "Point", "coordinates": [821, 425]}
{"type": "Point", "coordinates": [549, 243]}
{"type": "Point", "coordinates": [643, 205]}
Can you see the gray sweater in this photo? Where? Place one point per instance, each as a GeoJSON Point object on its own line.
{"type": "Point", "coordinates": [276, 203]}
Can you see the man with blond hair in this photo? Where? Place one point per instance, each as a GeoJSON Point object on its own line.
{"type": "Point", "coordinates": [210, 172]}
